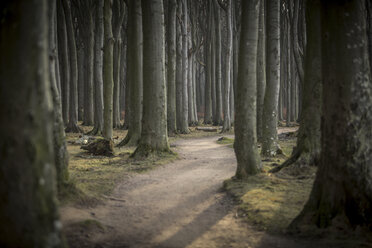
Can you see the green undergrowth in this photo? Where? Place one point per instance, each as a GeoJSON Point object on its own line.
{"type": "Point", "coordinates": [92, 178]}
{"type": "Point", "coordinates": [271, 201]}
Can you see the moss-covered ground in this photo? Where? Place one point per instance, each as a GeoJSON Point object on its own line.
{"type": "Point", "coordinates": [271, 201]}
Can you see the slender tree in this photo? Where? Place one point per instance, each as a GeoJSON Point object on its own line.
{"type": "Point", "coordinates": [341, 195]}
{"type": "Point", "coordinates": [270, 144]}
{"type": "Point", "coordinates": [171, 76]}
{"type": "Point", "coordinates": [154, 137]}
{"type": "Point", "coordinates": [245, 146]}
{"type": "Point", "coordinates": [28, 209]}
{"type": "Point", "coordinates": [108, 67]}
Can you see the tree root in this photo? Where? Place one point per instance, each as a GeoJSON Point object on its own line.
{"type": "Point", "coordinates": [100, 147]}
{"type": "Point", "coordinates": [94, 132]}
{"type": "Point", "coordinates": [73, 128]}
{"type": "Point", "coordinates": [298, 158]}
{"type": "Point", "coordinates": [145, 151]}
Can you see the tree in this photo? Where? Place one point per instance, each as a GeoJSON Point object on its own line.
{"type": "Point", "coordinates": [185, 66]}
{"type": "Point", "coordinates": [217, 118]}
{"type": "Point", "coordinates": [108, 67]}
{"type": "Point", "coordinates": [154, 137]}
{"type": "Point", "coordinates": [245, 145]}
{"type": "Point", "coordinates": [135, 73]}
{"type": "Point", "coordinates": [341, 195]}
{"type": "Point", "coordinates": [73, 114]}
{"type": "Point", "coordinates": [229, 53]}
{"type": "Point", "coordinates": [28, 209]}
{"type": "Point", "coordinates": [59, 139]}
{"type": "Point", "coordinates": [307, 150]}
{"type": "Point", "coordinates": [98, 65]}
{"type": "Point", "coordinates": [171, 76]}
{"type": "Point", "coordinates": [270, 111]}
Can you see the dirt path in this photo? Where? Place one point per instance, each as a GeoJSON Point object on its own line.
{"type": "Point", "coordinates": [176, 205]}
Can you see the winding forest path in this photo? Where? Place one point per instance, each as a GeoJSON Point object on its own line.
{"type": "Point", "coordinates": [176, 205]}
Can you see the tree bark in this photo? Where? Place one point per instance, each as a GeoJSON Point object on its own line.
{"type": "Point", "coordinates": [108, 67]}
{"type": "Point", "coordinates": [73, 112]}
{"type": "Point", "coordinates": [171, 72]}
{"type": "Point", "coordinates": [185, 67]}
{"type": "Point", "coordinates": [135, 73]}
{"type": "Point", "coordinates": [28, 210]}
{"type": "Point", "coordinates": [270, 111]}
{"type": "Point", "coordinates": [245, 146]}
{"type": "Point", "coordinates": [154, 137]}
{"type": "Point", "coordinates": [218, 62]}
{"type": "Point", "coordinates": [341, 196]}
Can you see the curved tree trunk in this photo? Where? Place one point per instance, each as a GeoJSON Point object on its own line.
{"type": "Point", "coordinates": [28, 209]}
{"type": "Point", "coordinates": [154, 137]}
{"type": "Point", "coordinates": [341, 196]}
{"type": "Point", "coordinates": [245, 145]}
{"type": "Point", "coordinates": [307, 150]}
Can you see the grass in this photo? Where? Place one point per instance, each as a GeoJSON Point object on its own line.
{"type": "Point", "coordinates": [94, 177]}
{"type": "Point", "coordinates": [269, 201]}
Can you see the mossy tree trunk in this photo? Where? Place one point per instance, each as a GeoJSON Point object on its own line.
{"type": "Point", "coordinates": [59, 139]}
{"type": "Point", "coordinates": [341, 195]}
{"type": "Point", "coordinates": [307, 150]}
{"type": "Point", "coordinates": [245, 146]}
{"type": "Point", "coordinates": [108, 67]}
{"type": "Point", "coordinates": [154, 136]}
{"type": "Point", "coordinates": [28, 205]}
{"type": "Point", "coordinates": [135, 73]}
{"type": "Point", "coordinates": [270, 109]}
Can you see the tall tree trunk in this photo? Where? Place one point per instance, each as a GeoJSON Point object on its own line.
{"type": "Point", "coordinates": [108, 67]}
{"type": "Point", "coordinates": [135, 73]}
{"type": "Point", "coordinates": [73, 113]}
{"type": "Point", "coordinates": [28, 210]}
{"type": "Point", "coordinates": [59, 141]}
{"type": "Point", "coordinates": [218, 60]}
{"type": "Point", "coordinates": [229, 54]}
{"type": "Point", "coordinates": [63, 60]}
{"type": "Point", "coordinates": [154, 137]}
{"type": "Point", "coordinates": [245, 145]}
{"type": "Point", "coordinates": [184, 128]}
{"type": "Point", "coordinates": [208, 72]}
{"type": "Point", "coordinates": [98, 70]}
{"type": "Point", "coordinates": [270, 111]}
{"type": "Point", "coordinates": [171, 72]}
{"type": "Point", "coordinates": [261, 69]}
{"type": "Point", "coordinates": [341, 195]}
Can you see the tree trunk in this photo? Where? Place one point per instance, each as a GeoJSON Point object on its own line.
{"type": "Point", "coordinates": [63, 60]}
{"type": "Point", "coordinates": [59, 141]}
{"type": "Point", "coordinates": [245, 145]}
{"type": "Point", "coordinates": [29, 209]}
{"type": "Point", "coordinates": [135, 73]}
{"type": "Point", "coordinates": [171, 72]}
{"type": "Point", "coordinates": [226, 100]}
{"type": "Point", "coordinates": [108, 67]}
{"type": "Point", "coordinates": [261, 69]}
{"type": "Point", "coordinates": [73, 112]}
{"type": "Point", "coordinates": [270, 110]}
{"type": "Point", "coordinates": [208, 72]}
{"type": "Point", "coordinates": [185, 66]}
{"type": "Point", "coordinates": [341, 196]}
{"type": "Point", "coordinates": [218, 72]}
{"type": "Point", "coordinates": [98, 70]}
{"type": "Point", "coordinates": [154, 137]}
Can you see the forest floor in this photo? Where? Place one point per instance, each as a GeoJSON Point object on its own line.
{"type": "Point", "coordinates": [188, 201]}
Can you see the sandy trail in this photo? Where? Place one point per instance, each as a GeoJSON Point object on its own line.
{"type": "Point", "coordinates": [176, 205]}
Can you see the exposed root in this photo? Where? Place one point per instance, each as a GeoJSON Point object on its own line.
{"type": "Point", "coordinates": [73, 128]}
{"type": "Point", "coordinates": [145, 151]}
{"type": "Point", "coordinates": [95, 132]}
{"type": "Point", "coordinates": [298, 159]}
{"type": "Point", "coordinates": [100, 147]}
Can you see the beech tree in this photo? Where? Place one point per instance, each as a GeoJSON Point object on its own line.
{"type": "Point", "coordinates": [341, 195]}
{"type": "Point", "coordinates": [28, 212]}
{"type": "Point", "coordinates": [154, 136]}
{"type": "Point", "coordinates": [245, 145]}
